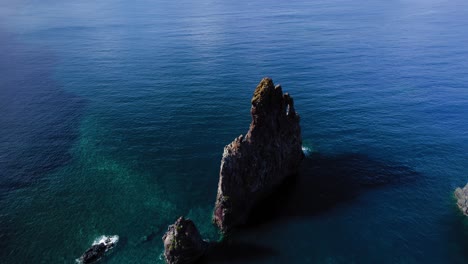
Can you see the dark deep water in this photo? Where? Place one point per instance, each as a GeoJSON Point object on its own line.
{"type": "Point", "coordinates": [114, 115]}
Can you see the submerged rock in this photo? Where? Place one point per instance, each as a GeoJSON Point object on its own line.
{"type": "Point", "coordinates": [98, 249]}
{"type": "Point", "coordinates": [183, 243]}
{"type": "Point", "coordinates": [462, 199]}
{"type": "Point", "coordinates": [254, 165]}
{"type": "Point", "coordinates": [148, 238]}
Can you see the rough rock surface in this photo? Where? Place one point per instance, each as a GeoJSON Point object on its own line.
{"type": "Point", "coordinates": [462, 199]}
{"type": "Point", "coordinates": [94, 253]}
{"type": "Point", "coordinates": [254, 165]}
{"type": "Point", "coordinates": [183, 243]}
{"type": "Point", "coordinates": [98, 249]}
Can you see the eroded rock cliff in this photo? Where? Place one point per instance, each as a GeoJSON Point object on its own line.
{"type": "Point", "coordinates": [254, 165]}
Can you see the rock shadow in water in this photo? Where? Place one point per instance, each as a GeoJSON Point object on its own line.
{"type": "Point", "coordinates": [458, 236]}
{"type": "Point", "coordinates": [325, 181]}
{"type": "Point", "coordinates": [236, 251]}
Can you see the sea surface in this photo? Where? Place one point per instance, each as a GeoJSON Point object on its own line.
{"type": "Point", "coordinates": [114, 115]}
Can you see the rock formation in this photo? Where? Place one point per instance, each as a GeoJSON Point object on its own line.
{"type": "Point", "coordinates": [462, 199]}
{"type": "Point", "coordinates": [98, 249]}
{"type": "Point", "coordinates": [254, 165]}
{"type": "Point", "coordinates": [183, 243]}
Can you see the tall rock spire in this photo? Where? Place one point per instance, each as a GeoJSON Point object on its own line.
{"type": "Point", "coordinates": [254, 165]}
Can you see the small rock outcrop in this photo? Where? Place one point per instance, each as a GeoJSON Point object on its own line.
{"type": "Point", "coordinates": [462, 199]}
{"type": "Point", "coordinates": [253, 166]}
{"type": "Point", "coordinates": [98, 249]}
{"type": "Point", "coordinates": [183, 243]}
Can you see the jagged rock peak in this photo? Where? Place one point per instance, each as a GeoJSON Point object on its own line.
{"type": "Point", "coordinates": [266, 93]}
{"type": "Point", "coordinates": [254, 165]}
{"type": "Point", "coordinates": [183, 243]}
{"type": "Point", "coordinates": [268, 99]}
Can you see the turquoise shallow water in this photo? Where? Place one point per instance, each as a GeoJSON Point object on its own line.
{"type": "Point", "coordinates": [114, 116]}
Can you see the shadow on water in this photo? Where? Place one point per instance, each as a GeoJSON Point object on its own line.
{"type": "Point", "coordinates": [326, 181]}
{"type": "Point", "coordinates": [458, 236]}
{"type": "Point", "coordinates": [39, 120]}
{"type": "Point", "coordinates": [235, 251]}
{"type": "Point", "coordinates": [323, 183]}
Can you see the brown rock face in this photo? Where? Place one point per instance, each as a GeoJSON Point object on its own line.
{"type": "Point", "coordinates": [254, 165]}
{"type": "Point", "coordinates": [462, 199]}
{"type": "Point", "coordinates": [183, 243]}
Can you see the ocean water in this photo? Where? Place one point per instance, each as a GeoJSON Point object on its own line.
{"type": "Point", "coordinates": [114, 115]}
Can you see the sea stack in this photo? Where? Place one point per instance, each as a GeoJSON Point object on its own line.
{"type": "Point", "coordinates": [253, 166]}
{"type": "Point", "coordinates": [183, 243]}
{"type": "Point", "coordinates": [462, 199]}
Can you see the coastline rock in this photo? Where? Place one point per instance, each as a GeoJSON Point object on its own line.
{"type": "Point", "coordinates": [462, 199]}
{"type": "Point", "coordinates": [98, 249]}
{"type": "Point", "coordinates": [183, 243]}
{"type": "Point", "coordinates": [254, 165]}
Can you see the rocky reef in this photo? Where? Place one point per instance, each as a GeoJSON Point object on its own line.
{"type": "Point", "coordinates": [462, 199]}
{"type": "Point", "coordinates": [183, 243]}
{"type": "Point", "coordinates": [99, 248]}
{"type": "Point", "coordinates": [254, 165]}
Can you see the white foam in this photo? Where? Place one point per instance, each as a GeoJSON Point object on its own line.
{"type": "Point", "coordinates": [307, 151]}
{"type": "Point", "coordinates": [107, 240]}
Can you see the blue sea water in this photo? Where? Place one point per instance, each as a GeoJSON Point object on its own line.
{"type": "Point", "coordinates": [114, 115]}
